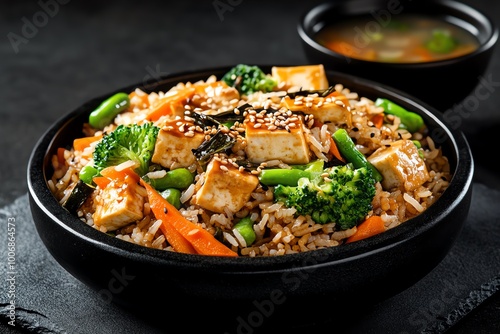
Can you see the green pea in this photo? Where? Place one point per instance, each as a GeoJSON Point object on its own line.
{"type": "Point", "coordinates": [245, 228]}
{"type": "Point", "coordinates": [87, 173]}
{"type": "Point", "coordinates": [173, 196]}
{"type": "Point", "coordinates": [411, 120]}
{"type": "Point", "coordinates": [108, 109]}
{"type": "Point", "coordinates": [179, 178]}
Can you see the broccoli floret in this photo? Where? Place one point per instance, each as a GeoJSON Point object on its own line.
{"type": "Point", "coordinates": [344, 197]}
{"type": "Point", "coordinates": [127, 142]}
{"type": "Point", "coordinates": [249, 79]}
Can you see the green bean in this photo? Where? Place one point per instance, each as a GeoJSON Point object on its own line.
{"type": "Point", "coordinates": [179, 178]}
{"type": "Point", "coordinates": [173, 196]}
{"type": "Point", "coordinates": [411, 120]}
{"type": "Point", "coordinates": [108, 109]}
{"type": "Point", "coordinates": [348, 150]}
{"type": "Point", "coordinates": [245, 228]}
{"type": "Point", "coordinates": [87, 173]}
{"type": "Point", "coordinates": [290, 177]}
{"type": "Point", "coordinates": [287, 177]}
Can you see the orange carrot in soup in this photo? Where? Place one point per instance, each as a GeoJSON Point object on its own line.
{"type": "Point", "coordinates": [368, 228]}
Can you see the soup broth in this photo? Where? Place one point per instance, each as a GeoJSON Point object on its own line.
{"type": "Point", "coordinates": [405, 39]}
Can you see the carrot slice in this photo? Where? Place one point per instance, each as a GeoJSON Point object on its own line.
{"type": "Point", "coordinates": [378, 120]}
{"type": "Point", "coordinates": [163, 106]}
{"type": "Point", "coordinates": [368, 228]}
{"type": "Point", "coordinates": [79, 144]}
{"type": "Point", "coordinates": [119, 175]}
{"type": "Point", "coordinates": [199, 239]}
{"type": "Point", "coordinates": [161, 210]}
{"type": "Point", "coordinates": [333, 146]}
{"type": "Point", "coordinates": [108, 174]}
{"type": "Point", "coordinates": [343, 48]}
{"type": "Point", "coordinates": [335, 150]}
{"type": "Point", "coordinates": [101, 181]}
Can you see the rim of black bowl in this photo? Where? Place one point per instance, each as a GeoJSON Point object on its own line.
{"type": "Point", "coordinates": [306, 30]}
{"type": "Point", "coordinates": [39, 166]}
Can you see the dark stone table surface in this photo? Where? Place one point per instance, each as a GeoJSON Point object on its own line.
{"type": "Point", "coordinates": [81, 49]}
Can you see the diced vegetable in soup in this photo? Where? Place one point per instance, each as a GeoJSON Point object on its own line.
{"type": "Point", "coordinates": [404, 39]}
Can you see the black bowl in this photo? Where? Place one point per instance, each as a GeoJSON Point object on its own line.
{"type": "Point", "coordinates": [441, 84]}
{"type": "Point", "coordinates": [369, 270]}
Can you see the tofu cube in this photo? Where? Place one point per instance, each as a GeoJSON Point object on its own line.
{"type": "Point", "coordinates": [305, 77]}
{"type": "Point", "coordinates": [266, 143]}
{"type": "Point", "coordinates": [225, 187]}
{"type": "Point", "coordinates": [325, 110]}
{"type": "Point", "coordinates": [400, 165]}
{"type": "Point", "coordinates": [173, 145]}
{"type": "Point", "coordinates": [118, 205]}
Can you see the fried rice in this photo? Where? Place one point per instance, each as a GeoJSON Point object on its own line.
{"type": "Point", "coordinates": [279, 230]}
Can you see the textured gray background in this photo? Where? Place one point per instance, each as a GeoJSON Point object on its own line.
{"type": "Point", "coordinates": [89, 48]}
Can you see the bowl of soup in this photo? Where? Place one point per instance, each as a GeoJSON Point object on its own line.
{"type": "Point", "coordinates": [436, 50]}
